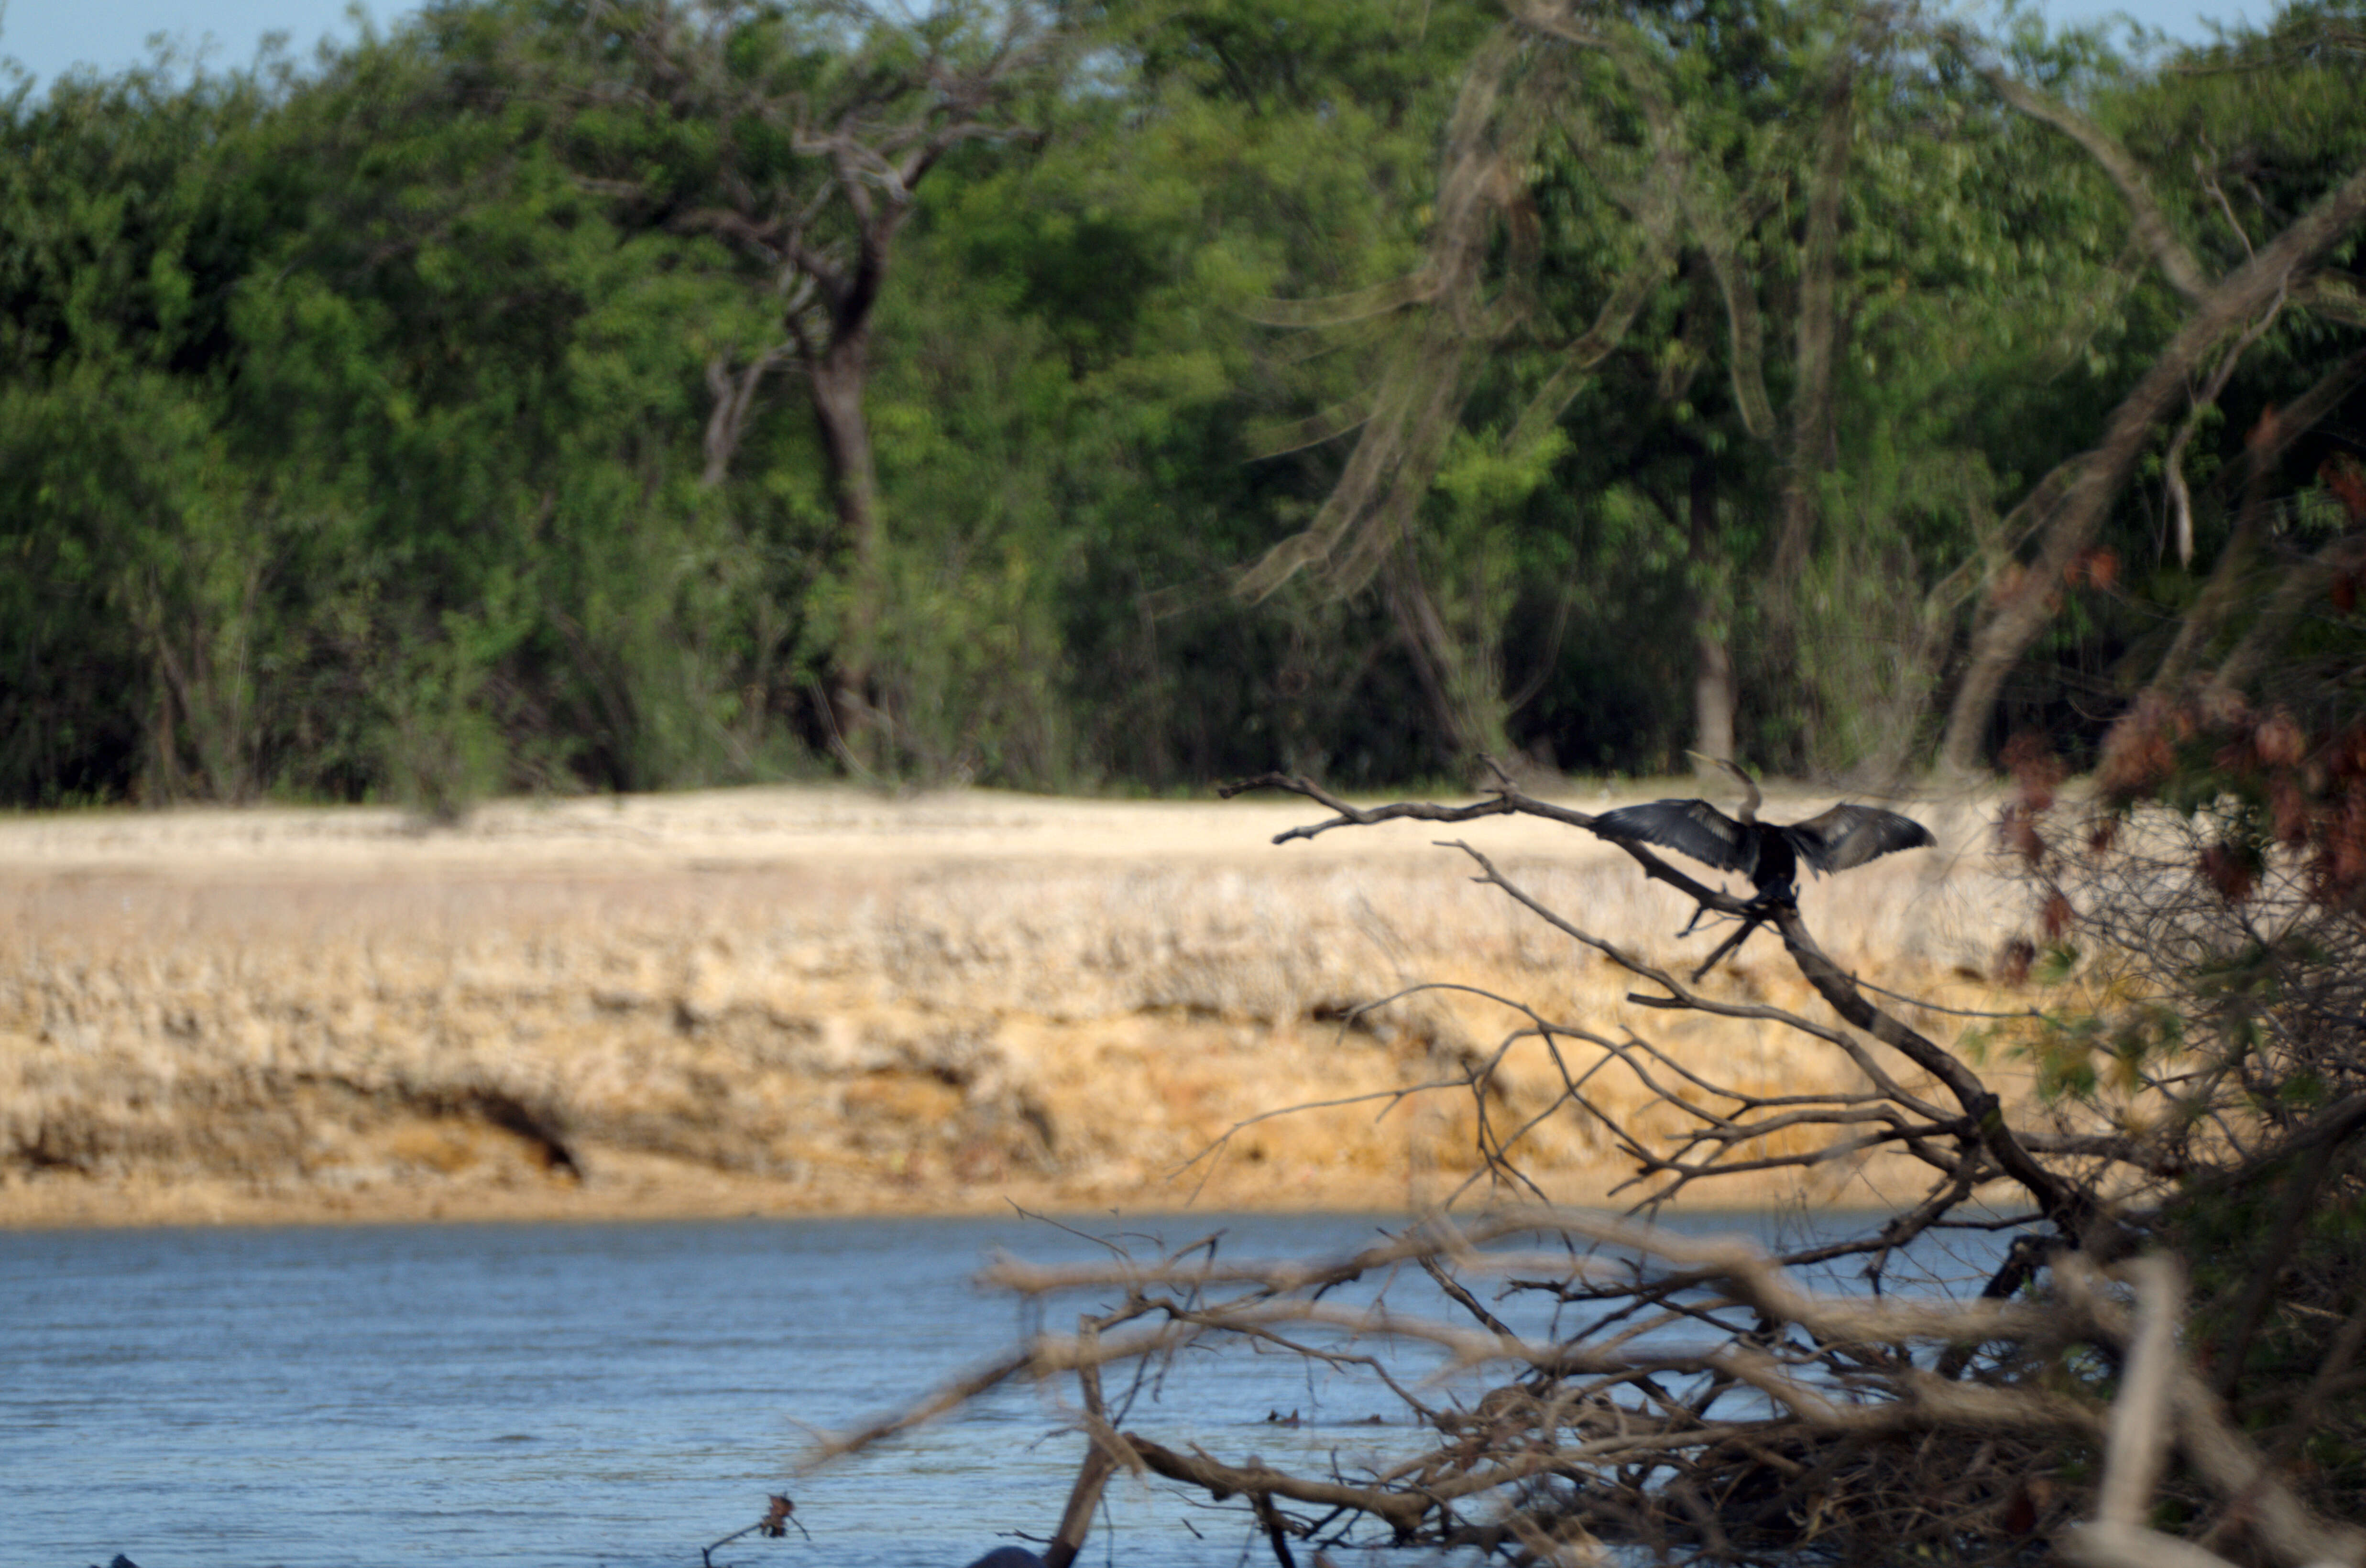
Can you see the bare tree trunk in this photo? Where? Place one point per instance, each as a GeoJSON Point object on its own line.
{"type": "Point", "coordinates": [1715, 699]}
{"type": "Point", "coordinates": [838, 377]}
{"type": "Point", "coordinates": [734, 396]}
{"type": "Point", "coordinates": [1713, 694]}
{"type": "Point", "coordinates": [1811, 411]}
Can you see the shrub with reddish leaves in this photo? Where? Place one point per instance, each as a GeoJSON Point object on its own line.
{"type": "Point", "coordinates": [2197, 942]}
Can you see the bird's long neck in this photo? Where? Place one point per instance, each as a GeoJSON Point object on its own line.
{"type": "Point", "coordinates": [1751, 801]}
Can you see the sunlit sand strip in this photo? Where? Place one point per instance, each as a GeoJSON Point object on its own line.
{"type": "Point", "coordinates": [789, 1000]}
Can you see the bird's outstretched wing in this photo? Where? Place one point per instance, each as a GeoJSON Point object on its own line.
{"type": "Point", "coordinates": [1851, 835]}
{"type": "Point", "coordinates": [1688, 827]}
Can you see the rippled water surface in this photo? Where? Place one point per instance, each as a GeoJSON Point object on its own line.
{"type": "Point", "coordinates": [579, 1395]}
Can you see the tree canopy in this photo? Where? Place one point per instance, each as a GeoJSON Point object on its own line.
{"type": "Point", "coordinates": [624, 394]}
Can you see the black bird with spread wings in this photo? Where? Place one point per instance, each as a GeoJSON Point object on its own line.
{"type": "Point", "coordinates": [1769, 853]}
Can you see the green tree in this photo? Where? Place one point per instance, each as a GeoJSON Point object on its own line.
{"type": "Point", "coordinates": [139, 624]}
{"type": "Point", "coordinates": [2245, 205]}
{"type": "Point", "coordinates": [799, 141]}
{"type": "Point", "coordinates": [491, 397]}
{"type": "Point", "coordinates": [1065, 378]}
{"type": "Point", "coordinates": [1722, 274]}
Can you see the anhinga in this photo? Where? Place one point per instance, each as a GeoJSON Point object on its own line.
{"type": "Point", "coordinates": [1769, 853]}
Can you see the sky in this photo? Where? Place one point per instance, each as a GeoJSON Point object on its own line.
{"type": "Point", "coordinates": [51, 35]}
{"type": "Point", "coordinates": [48, 37]}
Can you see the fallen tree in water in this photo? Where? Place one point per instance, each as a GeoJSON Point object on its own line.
{"type": "Point", "coordinates": [1691, 1398]}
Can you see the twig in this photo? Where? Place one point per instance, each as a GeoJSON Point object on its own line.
{"type": "Point", "coordinates": [779, 1515]}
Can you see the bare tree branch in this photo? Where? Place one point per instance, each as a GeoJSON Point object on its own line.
{"type": "Point", "coordinates": [2069, 505]}
{"type": "Point", "coordinates": [2154, 233]}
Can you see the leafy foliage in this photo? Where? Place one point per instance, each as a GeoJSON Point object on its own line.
{"type": "Point", "coordinates": [363, 434]}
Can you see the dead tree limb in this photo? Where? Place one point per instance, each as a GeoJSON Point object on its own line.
{"type": "Point", "coordinates": [1692, 1396]}
{"type": "Point", "coordinates": [2068, 506]}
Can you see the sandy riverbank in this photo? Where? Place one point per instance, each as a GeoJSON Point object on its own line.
{"type": "Point", "coordinates": [820, 1001]}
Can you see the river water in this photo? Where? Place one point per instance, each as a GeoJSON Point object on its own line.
{"type": "Point", "coordinates": [589, 1395]}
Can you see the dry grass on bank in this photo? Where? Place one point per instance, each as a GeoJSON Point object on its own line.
{"type": "Point", "coordinates": [799, 1002]}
